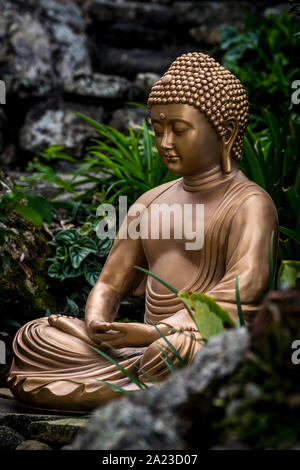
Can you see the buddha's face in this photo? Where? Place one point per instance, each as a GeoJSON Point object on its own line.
{"type": "Point", "coordinates": [186, 141]}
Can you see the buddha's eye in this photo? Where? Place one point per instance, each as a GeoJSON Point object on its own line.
{"type": "Point", "coordinates": [158, 132]}
{"type": "Point", "coordinates": [179, 131]}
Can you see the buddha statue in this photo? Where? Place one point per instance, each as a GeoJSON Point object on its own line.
{"type": "Point", "coordinates": [199, 112]}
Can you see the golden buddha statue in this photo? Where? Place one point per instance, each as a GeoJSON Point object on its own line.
{"type": "Point", "coordinates": [199, 112]}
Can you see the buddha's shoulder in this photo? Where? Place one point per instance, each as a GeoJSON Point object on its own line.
{"type": "Point", "coordinates": [149, 196]}
{"type": "Point", "coordinates": [250, 197]}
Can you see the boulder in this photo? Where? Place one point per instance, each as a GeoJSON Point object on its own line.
{"type": "Point", "coordinates": [56, 124]}
{"type": "Point", "coordinates": [9, 439]}
{"type": "Point", "coordinates": [203, 12]}
{"type": "Point", "coordinates": [33, 445]}
{"type": "Point", "coordinates": [158, 418]}
{"type": "Point", "coordinates": [60, 431]}
{"type": "Point", "coordinates": [145, 13]}
{"type": "Point", "coordinates": [97, 86]}
{"type": "Point", "coordinates": [24, 289]}
{"type": "Point", "coordinates": [128, 117]}
{"type": "Point", "coordinates": [130, 62]}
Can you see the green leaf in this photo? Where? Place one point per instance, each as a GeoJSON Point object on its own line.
{"type": "Point", "coordinates": [69, 236]}
{"type": "Point", "coordinates": [90, 274]}
{"type": "Point", "coordinates": [241, 321]}
{"type": "Point", "coordinates": [128, 374]}
{"type": "Point", "coordinates": [73, 306]}
{"type": "Point", "coordinates": [158, 279]}
{"type": "Point", "coordinates": [29, 213]}
{"type": "Point", "coordinates": [290, 233]}
{"type": "Point", "coordinates": [288, 274]}
{"type": "Point", "coordinates": [208, 316]}
{"type": "Point", "coordinates": [78, 254]}
{"type": "Point", "coordinates": [54, 270]}
{"type": "Point", "coordinates": [42, 206]}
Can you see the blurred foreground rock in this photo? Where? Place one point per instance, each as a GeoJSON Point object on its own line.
{"type": "Point", "coordinates": [157, 418]}
{"type": "Point", "coordinates": [241, 392]}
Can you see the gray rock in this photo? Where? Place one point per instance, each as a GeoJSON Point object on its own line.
{"type": "Point", "coordinates": [9, 439]}
{"type": "Point", "coordinates": [65, 13]}
{"type": "Point", "coordinates": [28, 65]}
{"type": "Point", "coordinates": [60, 431]}
{"type": "Point", "coordinates": [33, 445]}
{"type": "Point", "coordinates": [128, 117]}
{"type": "Point", "coordinates": [42, 47]}
{"type": "Point", "coordinates": [199, 12]}
{"type": "Point", "coordinates": [105, 11]}
{"type": "Point", "coordinates": [60, 126]}
{"type": "Point", "coordinates": [158, 418]}
{"type": "Point", "coordinates": [97, 86]}
{"type": "Point", "coordinates": [71, 53]}
{"type": "Point", "coordinates": [130, 62]}
{"type": "Point", "coordinates": [144, 82]}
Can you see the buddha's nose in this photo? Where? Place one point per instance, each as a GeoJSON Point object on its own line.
{"type": "Point", "coordinates": [167, 141]}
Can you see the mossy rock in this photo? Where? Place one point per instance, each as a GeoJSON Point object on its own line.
{"type": "Point", "coordinates": [24, 286]}
{"type": "Point", "coordinates": [25, 289]}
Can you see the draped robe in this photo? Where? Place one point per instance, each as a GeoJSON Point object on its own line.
{"type": "Point", "coordinates": [55, 370]}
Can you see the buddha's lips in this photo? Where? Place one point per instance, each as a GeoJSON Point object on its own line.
{"type": "Point", "coordinates": [171, 156]}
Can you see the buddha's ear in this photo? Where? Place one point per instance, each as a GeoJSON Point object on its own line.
{"type": "Point", "coordinates": [231, 128]}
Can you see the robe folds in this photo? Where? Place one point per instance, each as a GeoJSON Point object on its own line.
{"type": "Point", "coordinates": [54, 370]}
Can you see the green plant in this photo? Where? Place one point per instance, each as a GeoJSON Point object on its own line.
{"type": "Point", "coordinates": [264, 58]}
{"type": "Point", "coordinates": [131, 162]}
{"type": "Point", "coordinates": [271, 159]}
{"type": "Point", "coordinates": [81, 257]}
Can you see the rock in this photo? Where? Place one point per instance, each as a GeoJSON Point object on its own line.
{"type": "Point", "coordinates": [131, 34]}
{"type": "Point", "coordinates": [128, 117]}
{"type": "Point", "coordinates": [212, 13]}
{"type": "Point", "coordinates": [24, 290]}
{"type": "Point", "coordinates": [9, 439]}
{"type": "Point", "coordinates": [33, 445]}
{"type": "Point", "coordinates": [62, 431]}
{"type": "Point", "coordinates": [42, 46]}
{"type": "Point", "coordinates": [44, 127]}
{"type": "Point", "coordinates": [64, 13]}
{"type": "Point", "coordinates": [210, 34]}
{"type": "Point", "coordinates": [6, 393]}
{"type": "Point", "coordinates": [276, 10]}
{"type": "Point", "coordinates": [145, 13]}
{"type": "Point", "coordinates": [71, 53]}
{"type": "Point", "coordinates": [130, 62]}
{"type": "Point", "coordinates": [162, 417]}
{"type": "Point", "coordinates": [18, 416]}
{"type": "Point", "coordinates": [143, 83]}
{"type": "Point", "coordinates": [97, 86]}
{"type": "Point", "coordinates": [25, 54]}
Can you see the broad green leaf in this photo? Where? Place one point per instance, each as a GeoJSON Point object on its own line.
{"type": "Point", "coordinates": [78, 254]}
{"type": "Point", "coordinates": [29, 213]}
{"type": "Point", "coordinates": [289, 274]}
{"type": "Point", "coordinates": [209, 317]}
{"type": "Point", "coordinates": [69, 236]}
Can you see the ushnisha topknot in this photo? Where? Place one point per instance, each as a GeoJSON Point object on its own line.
{"type": "Point", "coordinates": [200, 81]}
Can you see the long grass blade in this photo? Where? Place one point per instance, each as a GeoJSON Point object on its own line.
{"type": "Point", "coordinates": [241, 321]}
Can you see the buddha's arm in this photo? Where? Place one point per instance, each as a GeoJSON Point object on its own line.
{"type": "Point", "coordinates": [247, 257]}
{"type": "Point", "coordinates": [118, 279]}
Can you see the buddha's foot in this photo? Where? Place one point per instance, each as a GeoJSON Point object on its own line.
{"type": "Point", "coordinates": [70, 325]}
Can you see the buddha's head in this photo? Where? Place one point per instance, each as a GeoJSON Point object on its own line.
{"type": "Point", "coordinates": [199, 111]}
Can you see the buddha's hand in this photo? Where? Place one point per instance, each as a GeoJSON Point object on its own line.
{"type": "Point", "coordinates": [96, 327]}
{"type": "Point", "coordinates": [123, 335]}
